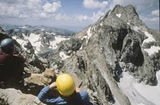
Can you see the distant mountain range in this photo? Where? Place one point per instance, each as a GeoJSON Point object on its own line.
{"type": "Point", "coordinates": [38, 39]}
{"type": "Point", "coordinates": [36, 29]}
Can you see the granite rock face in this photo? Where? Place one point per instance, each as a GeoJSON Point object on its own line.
{"type": "Point", "coordinates": [16, 97]}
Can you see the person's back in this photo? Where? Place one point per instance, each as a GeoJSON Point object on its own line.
{"type": "Point", "coordinates": [5, 66]}
{"type": "Point", "coordinates": [11, 65]}
{"type": "Point", "coordinates": [77, 98]}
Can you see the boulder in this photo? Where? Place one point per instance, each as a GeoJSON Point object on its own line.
{"type": "Point", "coordinates": [12, 96]}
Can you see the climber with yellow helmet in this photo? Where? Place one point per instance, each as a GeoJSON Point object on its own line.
{"type": "Point", "coordinates": [69, 94]}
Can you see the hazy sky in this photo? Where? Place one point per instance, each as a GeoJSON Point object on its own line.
{"type": "Point", "coordinates": [71, 14]}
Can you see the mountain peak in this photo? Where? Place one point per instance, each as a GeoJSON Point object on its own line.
{"type": "Point", "coordinates": [123, 9]}
{"type": "Point", "coordinates": [123, 15]}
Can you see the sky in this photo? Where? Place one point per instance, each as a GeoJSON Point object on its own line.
{"type": "Point", "coordinates": [74, 15]}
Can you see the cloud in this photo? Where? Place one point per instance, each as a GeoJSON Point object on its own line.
{"type": "Point", "coordinates": [52, 7]}
{"type": "Point", "coordinates": [152, 22]}
{"type": "Point", "coordinates": [90, 19]}
{"type": "Point", "coordinates": [43, 15]}
{"type": "Point", "coordinates": [61, 17]}
{"type": "Point", "coordinates": [140, 5]}
{"type": "Point", "coordinates": [155, 19]}
{"type": "Point", "coordinates": [155, 12]}
{"type": "Point", "coordinates": [81, 18]}
{"type": "Point", "coordinates": [97, 15]}
{"type": "Point", "coordinates": [93, 4]}
{"type": "Point", "coordinates": [28, 8]}
{"type": "Point", "coordinates": [152, 19]}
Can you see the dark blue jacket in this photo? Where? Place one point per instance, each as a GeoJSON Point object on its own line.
{"type": "Point", "coordinates": [79, 98]}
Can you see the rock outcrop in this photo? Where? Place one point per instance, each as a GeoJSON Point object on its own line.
{"type": "Point", "coordinates": [16, 97]}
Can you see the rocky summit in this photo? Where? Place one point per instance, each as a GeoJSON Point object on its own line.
{"type": "Point", "coordinates": [116, 60]}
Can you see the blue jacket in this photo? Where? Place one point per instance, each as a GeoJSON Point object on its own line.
{"type": "Point", "coordinates": [80, 98]}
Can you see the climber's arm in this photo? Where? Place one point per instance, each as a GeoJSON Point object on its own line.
{"type": "Point", "coordinates": [44, 96]}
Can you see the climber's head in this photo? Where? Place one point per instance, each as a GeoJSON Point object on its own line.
{"type": "Point", "coordinates": [7, 45]}
{"type": "Point", "coordinates": [65, 84]}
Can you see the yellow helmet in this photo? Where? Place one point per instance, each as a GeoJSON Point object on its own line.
{"type": "Point", "coordinates": [65, 84]}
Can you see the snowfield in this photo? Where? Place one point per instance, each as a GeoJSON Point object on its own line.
{"type": "Point", "coordinates": [139, 93]}
{"type": "Point", "coordinates": [58, 39]}
{"type": "Point", "coordinates": [63, 55]}
{"type": "Point", "coordinates": [88, 35]}
{"type": "Point", "coordinates": [153, 49]}
{"type": "Point", "coordinates": [149, 39]}
{"type": "Point", "coordinates": [35, 40]}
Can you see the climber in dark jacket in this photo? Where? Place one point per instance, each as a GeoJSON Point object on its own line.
{"type": "Point", "coordinates": [11, 65]}
{"type": "Point", "coordinates": [68, 93]}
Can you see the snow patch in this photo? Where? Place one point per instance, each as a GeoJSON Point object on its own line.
{"type": "Point", "coordinates": [35, 41]}
{"type": "Point", "coordinates": [151, 93]}
{"type": "Point", "coordinates": [152, 50]}
{"type": "Point", "coordinates": [101, 17]}
{"type": "Point", "coordinates": [42, 29]}
{"type": "Point", "coordinates": [52, 33]}
{"type": "Point", "coordinates": [149, 39]}
{"type": "Point", "coordinates": [58, 39]}
{"type": "Point", "coordinates": [109, 12]}
{"type": "Point", "coordinates": [23, 27]}
{"type": "Point", "coordinates": [128, 22]}
{"type": "Point", "coordinates": [136, 28]}
{"type": "Point", "coordinates": [139, 93]}
{"type": "Point", "coordinates": [101, 24]}
{"type": "Point", "coordinates": [21, 42]}
{"type": "Point", "coordinates": [141, 104]}
{"type": "Point", "coordinates": [118, 15]}
{"type": "Point", "coordinates": [88, 34]}
{"type": "Point", "coordinates": [63, 55]}
{"type": "Point", "coordinates": [81, 48]}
